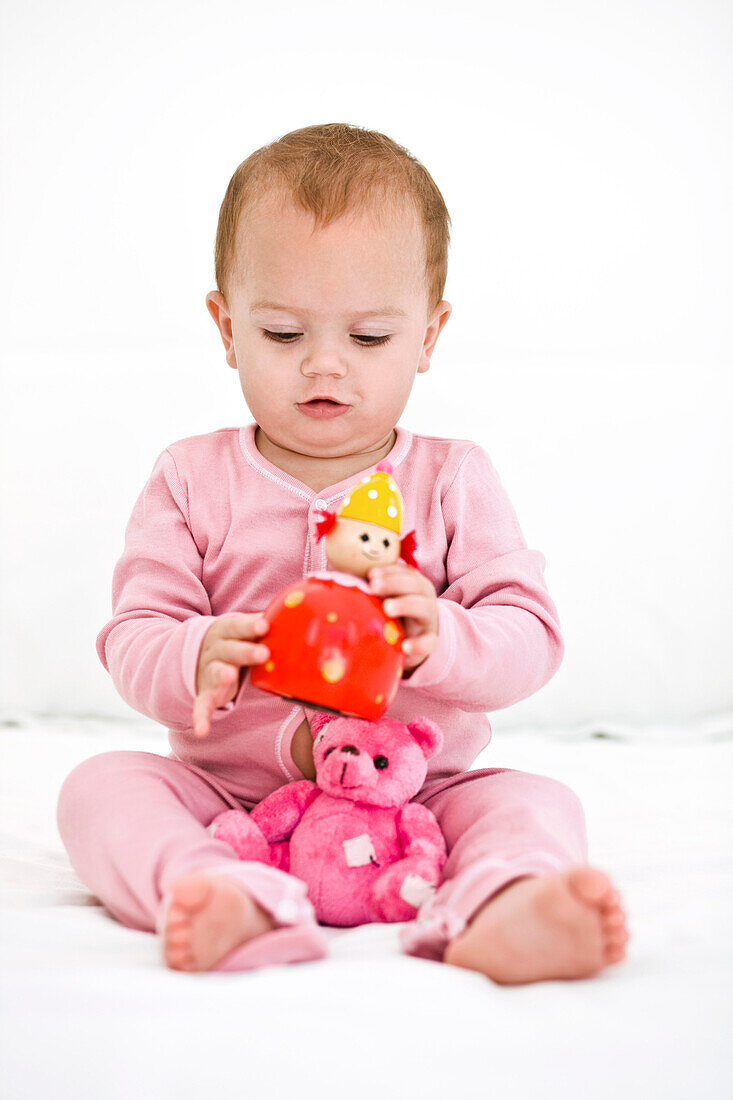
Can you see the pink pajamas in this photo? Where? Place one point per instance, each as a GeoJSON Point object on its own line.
{"type": "Point", "coordinates": [133, 822]}
{"type": "Point", "coordinates": [219, 529]}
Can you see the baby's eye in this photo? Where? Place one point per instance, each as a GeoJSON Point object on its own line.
{"type": "Point", "coordinates": [380, 762]}
{"type": "Point", "coordinates": [290, 337]}
{"type": "Point", "coordinates": [280, 337]}
{"type": "Point", "coordinates": [371, 341]}
{"type": "Point", "coordinates": [364, 537]}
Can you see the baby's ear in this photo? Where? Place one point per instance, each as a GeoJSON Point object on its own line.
{"type": "Point", "coordinates": [427, 735]}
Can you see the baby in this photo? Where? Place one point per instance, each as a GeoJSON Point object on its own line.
{"type": "Point", "coordinates": [331, 259]}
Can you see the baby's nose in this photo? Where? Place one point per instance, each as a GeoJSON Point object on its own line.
{"type": "Point", "coordinates": [350, 748]}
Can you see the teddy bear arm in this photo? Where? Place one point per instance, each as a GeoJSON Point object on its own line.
{"type": "Point", "coordinates": [420, 834]}
{"type": "Point", "coordinates": [279, 813]}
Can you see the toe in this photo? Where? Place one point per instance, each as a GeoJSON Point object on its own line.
{"type": "Point", "coordinates": [189, 894]}
{"type": "Point", "coordinates": [178, 937]}
{"type": "Point", "coordinates": [614, 954]}
{"type": "Point", "coordinates": [613, 942]}
{"type": "Point", "coordinates": [176, 916]}
{"type": "Point", "coordinates": [186, 964]}
{"type": "Point", "coordinates": [590, 885]}
{"type": "Point", "coordinates": [611, 903]}
{"type": "Point", "coordinates": [614, 922]}
{"type": "Point", "coordinates": [178, 958]}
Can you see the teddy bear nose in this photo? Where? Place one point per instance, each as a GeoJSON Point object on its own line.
{"type": "Point", "coordinates": [350, 748]}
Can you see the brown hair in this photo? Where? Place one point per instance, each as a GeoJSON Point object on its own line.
{"type": "Point", "coordinates": [328, 170]}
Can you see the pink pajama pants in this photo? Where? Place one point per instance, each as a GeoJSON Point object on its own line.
{"type": "Point", "coordinates": [134, 822]}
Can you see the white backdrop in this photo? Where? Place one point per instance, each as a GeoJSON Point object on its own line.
{"type": "Point", "coordinates": [585, 155]}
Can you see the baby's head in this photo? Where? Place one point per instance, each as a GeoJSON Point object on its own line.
{"type": "Point", "coordinates": [331, 261]}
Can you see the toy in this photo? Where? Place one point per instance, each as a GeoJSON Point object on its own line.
{"type": "Point", "coordinates": [331, 644]}
{"type": "Point", "coordinates": [365, 852]}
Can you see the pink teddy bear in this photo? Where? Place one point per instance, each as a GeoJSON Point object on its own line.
{"type": "Point", "coordinates": [365, 852]}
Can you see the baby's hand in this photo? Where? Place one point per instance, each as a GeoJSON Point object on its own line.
{"type": "Point", "coordinates": [225, 650]}
{"type": "Point", "coordinates": [417, 606]}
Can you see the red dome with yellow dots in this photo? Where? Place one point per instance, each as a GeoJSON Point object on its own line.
{"type": "Point", "coordinates": [331, 646]}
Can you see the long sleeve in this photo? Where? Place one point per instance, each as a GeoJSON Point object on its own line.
{"type": "Point", "coordinates": [161, 610]}
{"type": "Point", "coordinates": [498, 631]}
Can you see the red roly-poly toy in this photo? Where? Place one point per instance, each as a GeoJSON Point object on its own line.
{"type": "Point", "coordinates": [331, 644]}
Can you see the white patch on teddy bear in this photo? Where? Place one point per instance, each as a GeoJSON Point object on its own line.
{"type": "Point", "coordinates": [359, 851]}
{"type": "Point", "coordinates": [415, 890]}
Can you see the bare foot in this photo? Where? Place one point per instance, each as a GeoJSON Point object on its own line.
{"type": "Point", "coordinates": [564, 925]}
{"type": "Point", "coordinates": [207, 918]}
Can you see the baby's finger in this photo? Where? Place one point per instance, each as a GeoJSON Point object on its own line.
{"type": "Point", "coordinates": [220, 676]}
{"type": "Point", "coordinates": [420, 608]}
{"type": "Point", "coordinates": [220, 685]}
{"type": "Point", "coordinates": [241, 625]}
{"type": "Point", "coordinates": [239, 653]}
{"type": "Point", "coordinates": [204, 706]}
{"type": "Point", "coordinates": [398, 582]}
{"type": "Point", "coordinates": [421, 645]}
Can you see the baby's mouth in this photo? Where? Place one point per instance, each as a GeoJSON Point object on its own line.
{"type": "Point", "coordinates": [323, 407]}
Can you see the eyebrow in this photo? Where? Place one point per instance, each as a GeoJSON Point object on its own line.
{"type": "Point", "coordinates": [382, 311]}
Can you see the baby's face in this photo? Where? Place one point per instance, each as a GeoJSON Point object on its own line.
{"type": "Point", "coordinates": [339, 313]}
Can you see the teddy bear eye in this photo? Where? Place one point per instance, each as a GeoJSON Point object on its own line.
{"type": "Point", "coordinates": [385, 542]}
{"type": "Point", "coordinates": [332, 749]}
{"type": "Point", "coordinates": [380, 761]}
{"type": "Point", "coordinates": [364, 537]}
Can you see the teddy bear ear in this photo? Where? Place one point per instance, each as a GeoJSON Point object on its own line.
{"type": "Point", "coordinates": [320, 719]}
{"type": "Point", "coordinates": [427, 735]}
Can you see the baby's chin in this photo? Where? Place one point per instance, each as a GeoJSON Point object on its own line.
{"type": "Point", "coordinates": [338, 438]}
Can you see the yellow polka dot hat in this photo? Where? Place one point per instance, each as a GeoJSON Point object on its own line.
{"type": "Point", "coordinates": [375, 499]}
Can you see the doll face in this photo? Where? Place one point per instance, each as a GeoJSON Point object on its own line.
{"type": "Point", "coordinates": [356, 547]}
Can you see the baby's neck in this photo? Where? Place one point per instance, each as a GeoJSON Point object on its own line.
{"type": "Point", "coordinates": [319, 473]}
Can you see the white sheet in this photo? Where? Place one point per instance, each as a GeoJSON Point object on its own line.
{"type": "Point", "coordinates": [87, 1009]}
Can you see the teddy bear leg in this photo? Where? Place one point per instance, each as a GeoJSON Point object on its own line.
{"type": "Point", "coordinates": [400, 890]}
{"type": "Point", "coordinates": [236, 828]}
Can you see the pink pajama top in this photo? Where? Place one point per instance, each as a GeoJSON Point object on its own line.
{"type": "Point", "coordinates": [219, 529]}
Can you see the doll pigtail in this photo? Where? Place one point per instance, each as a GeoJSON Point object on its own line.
{"type": "Point", "coordinates": [324, 525]}
{"type": "Point", "coordinates": [408, 546]}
